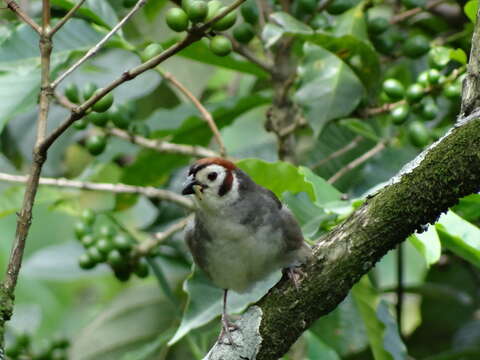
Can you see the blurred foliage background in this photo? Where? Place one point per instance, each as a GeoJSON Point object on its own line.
{"type": "Point", "coordinates": [366, 85]}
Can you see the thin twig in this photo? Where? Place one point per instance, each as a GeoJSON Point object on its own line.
{"type": "Point", "coordinates": [67, 16]}
{"type": "Point", "coordinates": [193, 36]}
{"type": "Point", "coordinates": [338, 153]}
{"type": "Point", "coordinates": [100, 44]}
{"type": "Point", "coordinates": [162, 146]}
{"type": "Point", "coordinates": [12, 5]}
{"type": "Point", "coordinates": [148, 191]}
{"type": "Point", "coordinates": [203, 111]}
{"type": "Point", "coordinates": [360, 160]}
{"type": "Point", "coordinates": [247, 54]}
{"type": "Point", "coordinates": [412, 12]}
{"type": "Point", "coordinates": [147, 246]}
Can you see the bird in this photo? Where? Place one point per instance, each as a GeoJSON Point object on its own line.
{"type": "Point", "coordinates": [241, 232]}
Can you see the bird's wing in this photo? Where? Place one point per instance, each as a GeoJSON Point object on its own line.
{"type": "Point", "coordinates": [196, 235]}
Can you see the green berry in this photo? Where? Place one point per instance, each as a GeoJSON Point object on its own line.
{"type": "Point", "coordinates": [88, 216]}
{"type": "Point", "coordinates": [320, 21]}
{"type": "Point", "coordinates": [394, 89]}
{"type": "Point", "coordinates": [415, 92]}
{"type": "Point", "coordinates": [212, 9]}
{"type": "Point", "coordinates": [96, 144]}
{"type": "Point", "coordinates": [410, 4]}
{"type": "Point", "coordinates": [122, 274]}
{"type": "Point", "coordinates": [177, 19]}
{"type": "Point", "coordinates": [378, 25]}
{"type": "Point", "coordinates": [337, 7]}
{"type": "Point", "coordinates": [105, 245]}
{"type": "Point", "coordinates": [81, 124]}
{"type": "Point", "coordinates": [142, 269]}
{"type": "Point", "coordinates": [119, 117]}
{"type": "Point", "coordinates": [226, 22]}
{"type": "Point", "coordinates": [87, 241]}
{"type": "Point", "coordinates": [307, 6]}
{"type": "Point", "coordinates": [81, 229]}
{"type": "Point", "coordinates": [95, 254]}
{"type": "Point", "coordinates": [197, 11]}
{"type": "Point", "coordinates": [72, 93]}
{"type": "Point", "coordinates": [243, 33]}
{"type": "Point", "coordinates": [418, 134]}
{"type": "Point", "coordinates": [249, 12]}
{"type": "Point", "coordinates": [103, 104]}
{"type": "Point", "coordinates": [86, 262]}
{"type": "Point", "coordinates": [452, 91]}
{"type": "Point", "coordinates": [122, 243]}
{"type": "Point", "coordinates": [429, 110]}
{"type": "Point", "coordinates": [186, 4]}
{"type": "Point", "coordinates": [108, 231]}
{"type": "Point", "coordinates": [416, 46]}
{"type": "Point", "coordinates": [385, 43]}
{"type": "Point", "coordinates": [220, 45]}
{"type": "Point", "coordinates": [129, 3]}
{"type": "Point", "coordinates": [400, 113]}
{"type": "Point", "coordinates": [89, 90]}
{"type": "Point", "coordinates": [150, 51]}
{"type": "Point", "coordinates": [422, 78]}
{"type": "Point", "coordinates": [433, 76]}
{"type": "Point", "coordinates": [99, 119]}
{"type": "Point", "coordinates": [115, 258]}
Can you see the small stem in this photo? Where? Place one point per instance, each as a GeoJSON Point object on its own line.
{"type": "Point", "coordinates": [118, 188]}
{"type": "Point", "coordinates": [338, 153]}
{"type": "Point", "coordinates": [409, 13]}
{"type": "Point", "coordinates": [358, 161]}
{"type": "Point", "coordinates": [400, 288]}
{"type": "Point", "coordinates": [247, 54]}
{"type": "Point", "coordinates": [70, 14]}
{"type": "Point", "coordinates": [163, 146]}
{"type": "Point", "coordinates": [12, 5]}
{"type": "Point", "coordinates": [45, 16]}
{"type": "Point", "coordinates": [203, 111]}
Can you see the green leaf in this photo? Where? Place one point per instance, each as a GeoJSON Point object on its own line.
{"type": "Point", "coordinates": [392, 341]}
{"type": "Point", "coordinates": [271, 34]}
{"type": "Point", "coordinates": [153, 8]}
{"type": "Point", "coordinates": [471, 9]}
{"type": "Point", "coordinates": [469, 207]}
{"type": "Point", "coordinates": [99, 12]}
{"type": "Point", "coordinates": [324, 192]}
{"type": "Point", "coordinates": [460, 236]}
{"type": "Point", "coordinates": [360, 127]}
{"type": "Point", "coordinates": [458, 55]}
{"type": "Point", "coordinates": [317, 349]}
{"type": "Point", "coordinates": [352, 22]}
{"type": "Point", "coordinates": [277, 176]}
{"type": "Point", "coordinates": [289, 24]}
{"type": "Point", "coordinates": [201, 52]}
{"type": "Point", "coordinates": [136, 317]}
{"type": "Point", "coordinates": [11, 198]}
{"type": "Point", "coordinates": [308, 215]}
{"type": "Point", "coordinates": [326, 82]}
{"type": "Point", "coordinates": [205, 301]}
{"type": "Point", "coordinates": [428, 244]}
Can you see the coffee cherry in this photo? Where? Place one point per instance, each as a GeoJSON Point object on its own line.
{"type": "Point", "coordinates": [423, 78]}
{"type": "Point", "coordinates": [197, 11]}
{"type": "Point", "coordinates": [88, 90]}
{"type": "Point", "coordinates": [86, 262]}
{"type": "Point", "coordinates": [378, 25]}
{"type": "Point", "coordinates": [418, 134]}
{"type": "Point", "coordinates": [99, 119]}
{"type": "Point", "coordinates": [88, 216]}
{"type": "Point", "coordinates": [103, 104]}
{"type": "Point", "coordinates": [400, 113]}
{"type": "Point", "coordinates": [213, 7]}
{"type": "Point", "coordinates": [433, 76]}
{"type": "Point", "coordinates": [177, 19]}
{"type": "Point", "coordinates": [95, 254]}
{"type": "Point", "coordinates": [108, 231]}
{"type": "Point", "coordinates": [87, 241]}
{"type": "Point", "coordinates": [249, 12]}
{"type": "Point", "coordinates": [243, 33]}
{"type": "Point", "coordinates": [81, 229]}
{"type": "Point", "coordinates": [72, 93]}
{"type": "Point", "coordinates": [115, 259]}
{"type": "Point", "coordinates": [338, 7]}
{"type": "Point", "coordinates": [119, 117]}
{"type": "Point", "coordinates": [429, 110]}
{"type": "Point", "coordinates": [416, 46]}
{"type": "Point", "coordinates": [452, 91]}
{"type": "Point", "coordinates": [307, 6]}
{"type": "Point", "coordinates": [226, 22]}
{"type": "Point", "coordinates": [122, 274]}
{"type": "Point", "coordinates": [122, 243]}
{"type": "Point", "coordinates": [394, 89]}
{"type": "Point", "coordinates": [415, 92]}
{"type": "Point", "coordinates": [142, 269]}
{"type": "Point", "coordinates": [186, 4]}
{"type": "Point", "coordinates": [105, 245]}
{"type": "Point", "coordinates": [385, 43]}
{"type": "Point", "coordinates": [81, 124]}
{"type": "Point", "coordinates": [150, 51]}
{"type": "Point", "coordinates": [220, 45]}
{"type": "Point", "coordinates": [96, 144]}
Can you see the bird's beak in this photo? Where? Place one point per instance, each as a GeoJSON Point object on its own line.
{"type": "Point", "coordinates": [190, 187]}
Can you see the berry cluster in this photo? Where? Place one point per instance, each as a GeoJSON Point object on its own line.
{"type": "Point", "coordinates": [55, 349]}
{"type": "Point", "coordinates": [107, 244]}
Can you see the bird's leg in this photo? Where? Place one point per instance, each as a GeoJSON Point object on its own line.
{"type": "Point", "coordinates": [227, 326]}
{"type": "Point", "coordinates": [294, 273]}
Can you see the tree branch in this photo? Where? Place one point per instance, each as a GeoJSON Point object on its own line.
{"type": "Point", "coordinates": [100, 44]}
{"type": "Point", "coordinates": [118, 188]}
{"type": "Point", "coordinates": [412, 12]}
{"type": "Point", "coordinates": [203, 111]}
{"type": "Point", "coordinates": [12, 5]}
{"type": "Point", "coordinates": [162, 146]}
{"type": "Point", "coordinates": [67, 16]}
{"type": "Point", "coordinates": [338, 153]}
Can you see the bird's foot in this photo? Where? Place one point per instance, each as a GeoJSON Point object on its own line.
{"type": "Point", "coordinates": [294, 273]}
{"type": "Point", "coordinates": [227, 328]}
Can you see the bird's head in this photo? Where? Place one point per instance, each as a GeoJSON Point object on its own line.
{"type": "Point", "coordinates": [212, 180]}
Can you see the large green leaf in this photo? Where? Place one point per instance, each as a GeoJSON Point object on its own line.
{"type": "Point", "coordinates": [205, 301]}
{"type": "Point", "coordinates": [471, 9]}
{"type": "Point", "coordinates": [428, 244]}
{"type": "Point", "coordinates": [326, 81]}
{"type": "Point", "coordinates": [98, 11]}
{"type": "Point", "coordinates": [136, 317]}
{"type": "Point", "coordinates": [460, 236]}
{"type": "Point", "coordinates": [392, 341]}
{"type": "Point", "coordinates": [11, 198]}
{"type": "Point", "coordinates": [317, 349]}
{"type": "Point", "coordinates": [324, 192]}
{"type": "Point", "coordinates": [289, 24]}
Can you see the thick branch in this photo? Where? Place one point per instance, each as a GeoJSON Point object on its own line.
{"type": "Point", "coordinates": [147, 191]}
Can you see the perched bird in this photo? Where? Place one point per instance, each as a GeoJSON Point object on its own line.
{"type": "Point", "coordinates": [241, 231]}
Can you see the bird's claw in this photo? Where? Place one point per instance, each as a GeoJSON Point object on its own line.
{"type": "Point", "coordinates": [294, 273]}
{"type": "Point", "coordinates": [227, 328]}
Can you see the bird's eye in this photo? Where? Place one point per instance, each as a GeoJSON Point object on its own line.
{"type": "Point", "coordinates": [212, 176]}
